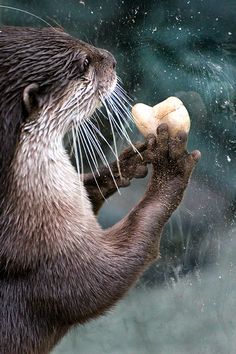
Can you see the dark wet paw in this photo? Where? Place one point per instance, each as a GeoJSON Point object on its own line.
{"type": "Point", "coordinates": [131, 164]}
{"type": "Point", "coordinates": [169, 156]}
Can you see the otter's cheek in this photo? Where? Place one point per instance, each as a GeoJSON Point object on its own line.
{"type": "Point", "coordinates": [171, 111]}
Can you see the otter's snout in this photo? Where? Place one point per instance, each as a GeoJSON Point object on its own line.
{"type": "Point", "coordinates": [106, 59]}
{"type": "Point", "coordinates": [105, 66]}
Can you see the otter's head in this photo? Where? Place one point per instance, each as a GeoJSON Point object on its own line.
{"type": "Point", "coordinates": [48, 80]}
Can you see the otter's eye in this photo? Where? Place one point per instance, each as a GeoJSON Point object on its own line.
{"type": "Point", "coordinates": [86, 63]}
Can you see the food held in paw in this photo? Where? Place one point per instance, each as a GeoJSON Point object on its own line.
{"type": "Point", "coordinates": [171, 111]}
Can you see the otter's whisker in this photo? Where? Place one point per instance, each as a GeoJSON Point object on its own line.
{"type": "Point", "coordinates": [122, 105]}
{"type": "Point", "coordinates": [27, 13]}
{"type": "Point", "coordinates": [69, 146]}
{"type": "Point", "coordinates": [91, 149]}
{"type": "Point", "coordinates": [121, 111]}
{"type": "Point", "coordinates": [111, 120]}
{"type": "Point", "coordinates": [88, 148]}
{"type": "Point", "coordinates": [83, 138]}
{"type": "Point", "coordinates": [97, 119]}
{"type": "Point", "coordinates": [99, 150]}
{"type": "Point", "coordinates": [117, 107]}
{"type": "Point", "coordinates": [79, 148]}
{"type": "Point", "coordinates": [119, 80]}
{"type": "Point", "coordinates": [119, 124]}
{"type": "Point", "coordinates": [119, 128]}
{"type": "Point", "coordinates": [95, 143]}
{"type": "Point", "coordinates": [76, 152]}
{"type": "Point", "coordinates": [90, 145]}
{"type": "Point", "coordinates": [125, 106]}
{"type": "Point", "coordinates": [124, 94]}
{"type": "Point", "coordinates": [93, 126]}
{"type": "Point", "coordinates": [120, 135]}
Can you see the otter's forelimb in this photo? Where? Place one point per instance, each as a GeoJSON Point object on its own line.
{"type": "Point", "coordinates": [131, 165]}
{"type": "Point", "coordinates": [172, 166]}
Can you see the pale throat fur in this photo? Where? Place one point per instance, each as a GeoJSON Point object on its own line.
{"type": "Point", "coordinates": [46, 188]}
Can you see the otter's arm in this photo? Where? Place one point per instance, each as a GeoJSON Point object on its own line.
{"type": "Point", "coordinates": [131, 164]}
{"type": "Point", "coordinates": [172, 166]}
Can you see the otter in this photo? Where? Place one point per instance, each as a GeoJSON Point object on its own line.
{"type": "Point", "coordinates": [58, 267]}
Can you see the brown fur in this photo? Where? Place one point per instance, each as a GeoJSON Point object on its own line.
{"type": "Point", "coordinates": [58, 267]}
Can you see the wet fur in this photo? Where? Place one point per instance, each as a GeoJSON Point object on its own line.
{"type": "Point", "coordinates": [58, 267]}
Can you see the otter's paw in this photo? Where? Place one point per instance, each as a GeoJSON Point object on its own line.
{"type": "Point", "coordinates": [172, 164]}
{"type": "Point", "coordinates": [131, 164]}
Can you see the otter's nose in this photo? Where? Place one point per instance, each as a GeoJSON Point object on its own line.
{"type": "Point", "coordinates": [113, 62]}
{"type": "Point", "coordinates": [108, 59]}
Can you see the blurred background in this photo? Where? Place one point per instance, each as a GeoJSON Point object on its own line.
{"type": "Point", "coordinates": [186, 302]}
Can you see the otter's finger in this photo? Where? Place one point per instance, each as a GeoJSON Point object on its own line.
{"type": "Point", "coordinates": [191, 161]}
{"type": "Point", "coordinates": [138, 147]}
{"type": "Point", "coordinates": [123, 182]}
{"type": "Point", "coordinates": [177, 145]}
{"type": "Point", "coordinates": [141, 171]}
{"type": "Point", "coordinates": [149, 153]}
{"type": "Point", "coordinates": [162, 139]}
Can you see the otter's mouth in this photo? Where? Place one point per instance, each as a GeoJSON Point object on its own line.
{"type": "Point", "coordinates": [105, 92]}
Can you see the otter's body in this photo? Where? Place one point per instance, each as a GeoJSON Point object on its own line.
{"type": "Point", "coordinates": [58, 268]}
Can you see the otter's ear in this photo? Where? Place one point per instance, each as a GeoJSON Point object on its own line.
{"type": "Point", "coordinates": [31, 98]}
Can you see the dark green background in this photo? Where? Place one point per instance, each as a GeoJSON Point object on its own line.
{"type": "Point", "coordinates": [185, 303]}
